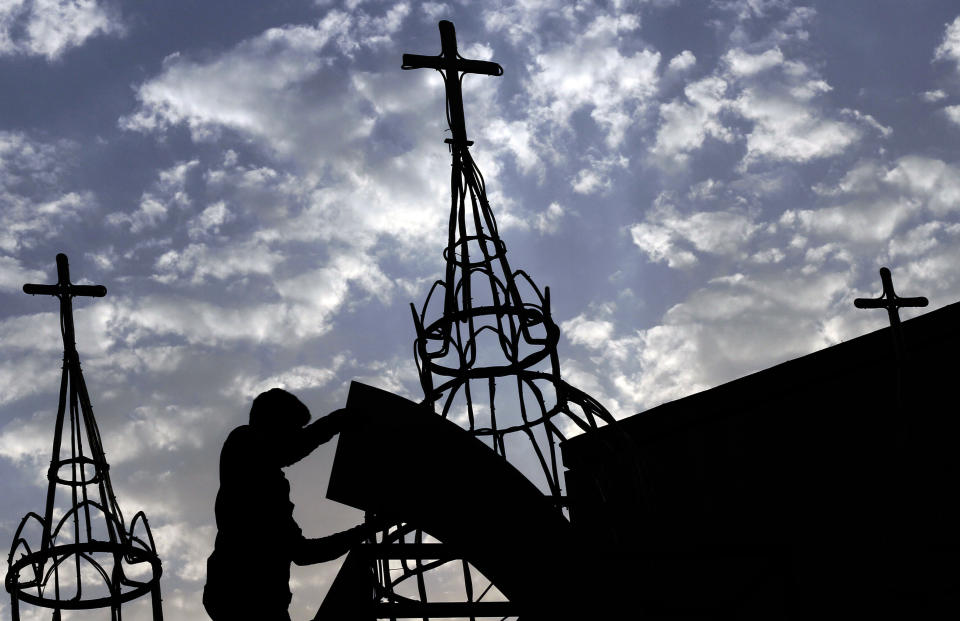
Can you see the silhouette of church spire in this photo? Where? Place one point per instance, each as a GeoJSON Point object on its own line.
{"type": "Point", "coordinates": [495, 322]}
{"type": "Point", "coordinates": [86, 557]}
{"type": "Point", "coordinates": [485, 348]}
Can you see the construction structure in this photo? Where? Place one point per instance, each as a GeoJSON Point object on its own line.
{"type": "Point", "coordinates": [80, 554]}
{"type": "Point", "coordinates": [486, 353]}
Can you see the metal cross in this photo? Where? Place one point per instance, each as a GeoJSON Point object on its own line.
{"type": "Point", "coordinates": [451, 64]}
{"type": "Point", "coordinates": [66, 291]}
{"type": "Point", "coordinates": [893, 303]}
{"type": "Point", "coordinates": [889, 300]}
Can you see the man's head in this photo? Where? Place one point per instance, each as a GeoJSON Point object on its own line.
{"type": "Point", "coordinates": [278, 410]}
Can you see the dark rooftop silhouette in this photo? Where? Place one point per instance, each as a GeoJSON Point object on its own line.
{"type": "Point", "coordinates": [796, 490]}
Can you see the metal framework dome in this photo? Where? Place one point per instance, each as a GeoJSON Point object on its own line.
{"type": "Point", "coordinates": [80, 554]}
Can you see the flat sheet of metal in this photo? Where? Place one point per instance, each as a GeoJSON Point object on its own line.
{"type": "Point", "coordinates": [402, 461]}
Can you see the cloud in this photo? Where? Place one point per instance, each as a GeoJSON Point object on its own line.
{"type": "Point", "coordinates": [682, 61]}
{"type": "Point", "coordinates": [732, 326]}
{"type": "Point", "coordinates": [668, 235]}
{"type": "Point", "coordinates": [157, 429]}
{"type": "Point", "coordinates": [13, 275]}
{"type": "Point", "coordinates": [933, 96]}
{"type": "Point", "coordinates": [298, 378]}
{"type": "Point", "coordinates": [778, 100]}
{"type": "Point", "coordinates": [786, 128]}
{"type": "Point", "coordinates": [548, 221]}
{"type": "Point", "coordinates": [51, 27]}
{"type": "Point", "coordinates": [872, 202]}
{"type": "Point", "coordinates": [186, 547]}
{"type": "Point", "coordinates": [23, 224]}
{"type": "Point", "coordinates": [949, 48]}
{"type": "Point", "coordinates": [583, 331]}
{"type": "Point", "coordinates": [199, 262]}
{"type": "Point", "coordinates": [685, 126]}
{"type": "Point", "coordinates": [590, 73]}
{"type": "Point", "coordinates": [742, 63]}
{"type": "Point", "coordinates": [169, 190]}
{"type": "Point", "coordinates": [953, 113]}
{"type": "Point", "coordinates": [27, 441]}
{"type": "Point", "coordinates": [276, 109]}
{"type": "Point", "coordinates": [39, 202]}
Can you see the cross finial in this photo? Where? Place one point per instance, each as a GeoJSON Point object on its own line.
{"type": "Point", "coordinates": [889, 300]}
{"type": "Point", "coordinates": [451, 64]}
{"type": "Point", "coordinates": [65, 291]}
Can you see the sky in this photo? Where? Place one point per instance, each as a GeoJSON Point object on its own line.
{"type": "Point", "coordinates": [704, 186]}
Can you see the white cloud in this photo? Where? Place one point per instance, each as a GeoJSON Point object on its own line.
{"type": "Point", "coordinates": [868, 119]}
{"type": "Point", "coordinates": [297, 378]}
{"type": "Point", "coordinates": [933, 182]}
{"type": "Point", "coordinates": [519, 21]}
{"type": "Point", "coordinates": [548, 221]}
{"type": "Point", "coordinates": [186, 546]}
{"type": "Point", "coordinates": [219, 93]}
{"type": "Point", "coordinates": [668, 235]}
{"type": "Point", "coordinates": [682, 61]}
{"type": "Point", "coordinates": [593, 74]}
{"type": "Point", "coordinates": [38, 203]}
{"type": "Point", "coordinates": [934, 96]}
{"type": "Point", "coordinates": [743, 63]}
{"type": "Point", "coordinates": [785, 128]}
{"type": "Point", "coordinates": [51, 27]}
{"type": "Point", "coordinates": [871, 202]}
{"type": "Point", "coordinates": [169, 190]}
{"type": "Point", "coordinates": [589, 181]}
{"type": "Point", "coordinates": [27, 441]}
{"type": "Point", "coordinates": [917, 242]}
{"type": "Point", "coordinates": [685, 126]}
{"type": "Point", "coordinates": [209, 221]}
{"type": "Point", "coordinates": [434, 10]}
{"type": "Point", "coordinates": [856, 221]}
{"type": "Point", "coordinates": [199, 261]}
{"type": "Point", "coordinates": [13, 275]}
{"type": "Point", "coordinates": [150, 430]}
{"type": "Point", "coordinates": [949, 48]}
{"type": "Point", "coordinates": [516, 138]}
{"type": "Point", "coordinates": [953, 113]}
{"type": "Point", "coordinates": [732, 326]}
{"type": "Point", "coordinates": [583, 331]}
{"type": "Point", "coordinates": [24, 223]}
{"type": "Point", "coordinates": [780, 99]}
{"type": "Point", "coordinates": [288, 61]}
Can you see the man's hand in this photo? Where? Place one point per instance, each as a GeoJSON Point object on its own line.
{"type": "Point", "coordinates": [338, 417]}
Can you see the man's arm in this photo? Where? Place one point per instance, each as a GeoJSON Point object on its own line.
{"type": "Point", "coordinates": [315, 434]}
{"type": "Point", "coordinates": [334, 546]}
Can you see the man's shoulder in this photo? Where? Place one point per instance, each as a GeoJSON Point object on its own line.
{"type": "Point", "coordinates": [238, 440]}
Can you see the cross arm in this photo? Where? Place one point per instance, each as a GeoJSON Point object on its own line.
{"type": "Point", "coordinates": [870, 302]}
{"type": "Point", "coordinates": [484, 67]}
{"type": "Point", "coordinates": [884, 302]}
{"type": "Point", "coordinates": [95, 291]}
{"type": "Point", "coordinates": [419, 61]}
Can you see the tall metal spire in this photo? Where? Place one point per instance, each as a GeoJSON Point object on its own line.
{"type": "Point", "coordinates": [488, 357]}
{"type": "Point", "coordinates": [86, 557]}
{"type": "Point", "coordinates": [486, 352]}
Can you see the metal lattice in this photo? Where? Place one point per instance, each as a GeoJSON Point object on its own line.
{"type": "Point", "coordinates": [86, 558]}
{"type": "Point", "coordinates": [486, 352]}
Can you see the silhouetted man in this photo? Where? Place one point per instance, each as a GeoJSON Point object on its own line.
{"type": "Point", "coordinates": [248, 573]}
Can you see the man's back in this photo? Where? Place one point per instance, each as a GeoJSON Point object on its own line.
{"type": "Point", "coordinates": [256, 532]}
